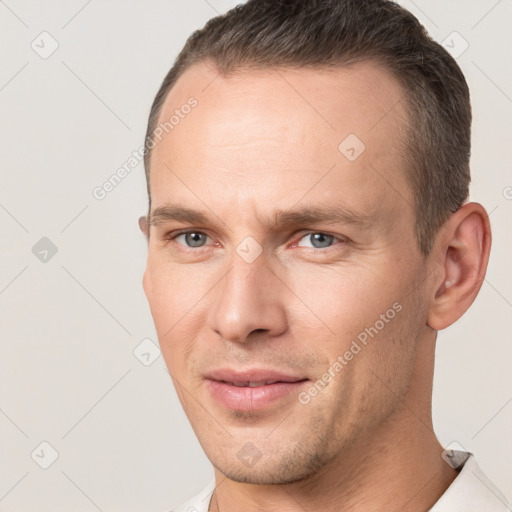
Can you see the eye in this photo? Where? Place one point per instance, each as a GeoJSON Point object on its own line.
{"type": "Point", "coordinates": [317, 240]}
{"type": "Point", "coordinates": [191, 238]}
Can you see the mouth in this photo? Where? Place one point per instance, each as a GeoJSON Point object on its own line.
{"type": "Point", "coordinates": [249, 384]}
{"type": "Point", "coordinates": [253, 390]}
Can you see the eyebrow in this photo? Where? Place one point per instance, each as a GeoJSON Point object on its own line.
{"type": "Point", "coordinates": [170, 212]}
{"type": "Point", "coordinates": [329, 214]}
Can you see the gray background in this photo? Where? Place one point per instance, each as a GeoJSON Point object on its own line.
{"type": "Point", "coordinates": [71, 322]}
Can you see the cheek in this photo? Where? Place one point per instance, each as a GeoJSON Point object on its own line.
{"type": "Point", "coordinates": [172, 290]}
{"type": "Point", "coordinates": [343, 300]}
{"type": "Point", "coordinates": [386, 362]}
{"type": "Point", "coordinates": [363, 324]}
{"type": "Point", "coordinates": [174, 297]}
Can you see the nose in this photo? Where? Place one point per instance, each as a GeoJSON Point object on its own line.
{"type": "Point", "coordinates": [248, 303]}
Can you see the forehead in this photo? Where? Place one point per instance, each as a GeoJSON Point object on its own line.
{"type": "Point", "coordinates": [258, 132]}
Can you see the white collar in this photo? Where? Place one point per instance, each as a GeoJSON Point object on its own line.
{"type": "Point", "coordinates": [471, 491]}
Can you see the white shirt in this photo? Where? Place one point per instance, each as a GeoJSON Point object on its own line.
{"type": "Point", "coordinates": [471, 491]}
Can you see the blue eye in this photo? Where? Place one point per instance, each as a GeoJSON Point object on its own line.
{"type": "Point", "coordinates": [192, 238]}
{"type": "Point", "coordinates": [318, 240]}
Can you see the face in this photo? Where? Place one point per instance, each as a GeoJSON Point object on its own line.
{"type": "Point", "coordinates": [283, 270]}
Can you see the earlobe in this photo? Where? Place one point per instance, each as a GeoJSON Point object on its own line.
{"type": "Point", "coordinates": [463, 244]}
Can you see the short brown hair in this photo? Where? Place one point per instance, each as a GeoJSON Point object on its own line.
{"type": "Point", "coordinates": [329, 33]}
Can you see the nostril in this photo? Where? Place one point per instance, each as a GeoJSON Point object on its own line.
{"type": "Point", "coordinates": [258, 330]}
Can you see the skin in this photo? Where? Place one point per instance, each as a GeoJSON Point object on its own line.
{"type": "Point", "coordinates": [264, 140]}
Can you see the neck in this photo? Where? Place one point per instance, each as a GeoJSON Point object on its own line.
{"type": "Point", "coordinates": [399, 467]}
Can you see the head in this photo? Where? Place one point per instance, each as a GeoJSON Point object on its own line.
{"type": "Point", "coordinates": [308, 225]}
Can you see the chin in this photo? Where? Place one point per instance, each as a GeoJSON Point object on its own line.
{"type": "Point", "coordinates": [283, 468]}
{"type": "Point", "coordinates": [264, 477]}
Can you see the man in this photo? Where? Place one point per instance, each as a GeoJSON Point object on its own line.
{"type": "Point", "coordinates": [308, 235]}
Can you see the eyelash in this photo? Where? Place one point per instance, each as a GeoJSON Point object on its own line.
{"type": "Point", "coordinates": [172, 237]}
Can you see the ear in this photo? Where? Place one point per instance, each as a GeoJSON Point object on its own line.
{"type": "Point", "coordinates": [462, 249]}
{"type": "Point", "coordinates": [143, 225]}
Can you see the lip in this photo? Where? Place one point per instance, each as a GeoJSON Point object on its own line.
{"type": "Point", "coordinates": [232, 389]}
